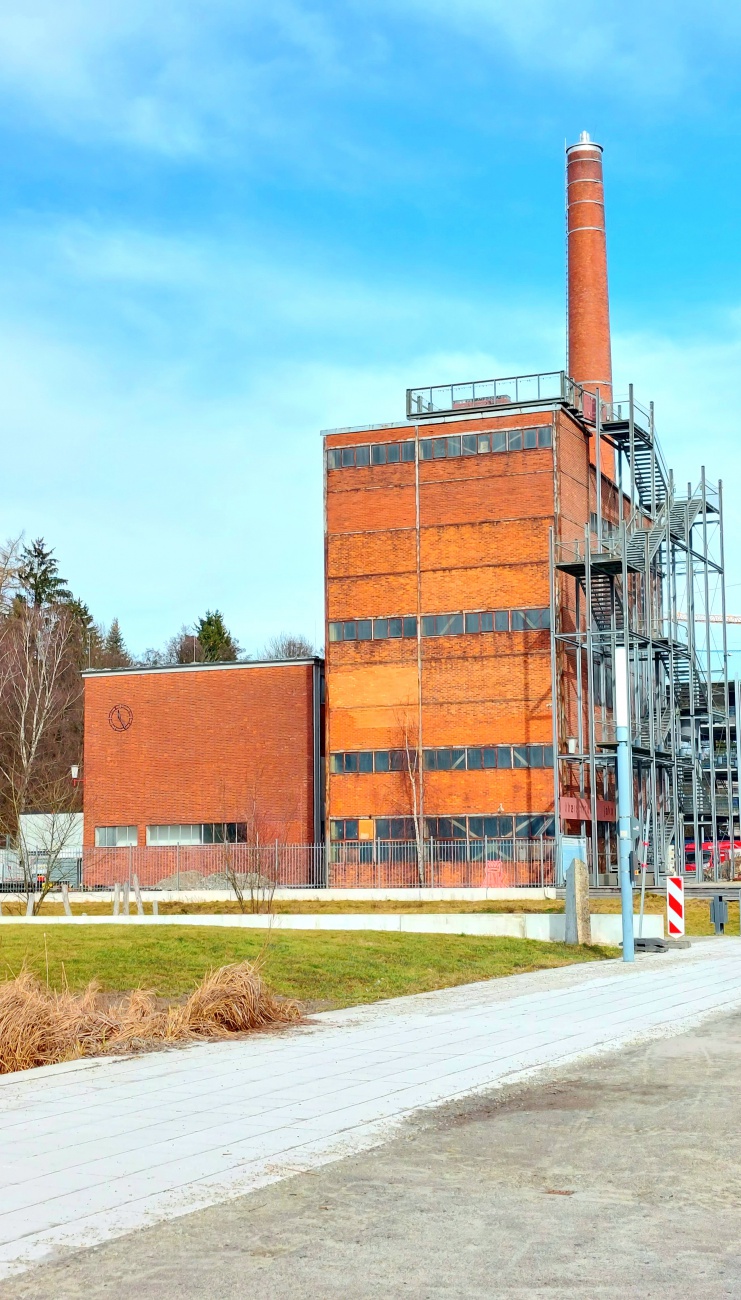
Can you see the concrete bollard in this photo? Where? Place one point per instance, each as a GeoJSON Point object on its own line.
{"type": "Point", "coordinates": [65, 898]}
{"type": "Point", "coordinates": [577, 925]}
{"type": "Point", "coordinates": [125, 901]}
{"type": "Point", "coordinates": [116, 903]}
{"type": "Point", "coordinates": [138, 897]}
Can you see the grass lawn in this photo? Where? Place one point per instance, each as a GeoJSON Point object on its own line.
{"type": "Point", "coordinates": [337, 968]}
{"type": "Point", "coordinates": [697, 910]}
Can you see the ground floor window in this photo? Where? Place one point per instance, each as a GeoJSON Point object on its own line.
{"type": "Point", "coordinates": [472, 830]}
{"type": "Point", "coordinates": [197, 833]}
{"type": "Point", "coordinates": [114, 837]}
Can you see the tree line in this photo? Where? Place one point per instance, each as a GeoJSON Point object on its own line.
{"type": "Point", "coordinates": [48, 637]}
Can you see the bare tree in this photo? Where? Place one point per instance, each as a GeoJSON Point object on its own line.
{"type": "Point", "coordinates": [40, 695]}
{"type": "Point", "coordinates": [413, 773]}
{"type": "Point", "coordinates": [10, 562]}
{"type": "Point", "coordinates": [288, 645]}
{"type": "Point", "coordinates": [252, 864]}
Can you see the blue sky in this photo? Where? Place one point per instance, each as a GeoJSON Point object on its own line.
{"type": "Point", "coordinates": [224, 226]}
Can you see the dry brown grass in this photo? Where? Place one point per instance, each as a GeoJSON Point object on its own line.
{"type": "Point", "coordinates": [41, 1027]}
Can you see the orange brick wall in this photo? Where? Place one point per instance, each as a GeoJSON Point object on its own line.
{"type": "Point", "coordinates": [205, 745]}
{"type": "Point", "coordinates": [484, 525]}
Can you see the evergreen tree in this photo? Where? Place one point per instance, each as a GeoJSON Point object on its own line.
{"type": "Point", "coordinates": [38, 576]}
{"type": "Point", "coordinates": [217, 643]}
{"type": "Point", "coordinates": [114, 647]}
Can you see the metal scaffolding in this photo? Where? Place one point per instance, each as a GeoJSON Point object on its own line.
{"type": "Point", "coordinates": [647, 574]}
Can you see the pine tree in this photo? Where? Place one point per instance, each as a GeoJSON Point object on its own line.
{"type": "Point", "coordinates": [215, 639]}
{"type": "Point", "coordinates": [38, 576]}
{"type": "Point", "coordinates": [114, 647]}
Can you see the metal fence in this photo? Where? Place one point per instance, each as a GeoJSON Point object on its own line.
{"type": "Point", "coordinates": [365, 865]}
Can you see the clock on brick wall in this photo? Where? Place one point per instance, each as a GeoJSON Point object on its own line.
{"type": "Point", "coordinates": [120, 717]}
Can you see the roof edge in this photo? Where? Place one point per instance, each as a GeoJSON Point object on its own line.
{"type": "Point", "coordinates": [136, 669]}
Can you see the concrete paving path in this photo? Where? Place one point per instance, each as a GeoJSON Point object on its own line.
{"type": "Point", "coordinates": [93, 1150]}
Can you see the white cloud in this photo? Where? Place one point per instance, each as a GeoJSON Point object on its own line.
{"type": "Point", "coordinates": [197, 77]}
{"type": "Point", "coordinates": [173, 78]}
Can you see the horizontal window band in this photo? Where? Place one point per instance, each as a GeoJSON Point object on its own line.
{"type": "Point", "coordinates": [449, 446]}
{"type": "Point", "coordinates": [465, 758]}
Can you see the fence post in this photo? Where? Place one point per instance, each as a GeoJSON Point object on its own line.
{"type": "Point", "coordinates": [276, 862]}
{"type": "Point", "coordinates": [177, 867]}
{"type": "Point", "coordinates": [131, 855]}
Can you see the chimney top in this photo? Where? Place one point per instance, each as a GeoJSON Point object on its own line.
{"type": "Point", "coordinates": [585, 142]}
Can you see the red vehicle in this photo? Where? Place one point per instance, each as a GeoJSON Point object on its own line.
{"type": "Point", "coordinates": [725, 852]}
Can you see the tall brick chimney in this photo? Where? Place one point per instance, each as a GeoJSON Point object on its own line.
{"type": "Point", "coordinates": [589, 357]}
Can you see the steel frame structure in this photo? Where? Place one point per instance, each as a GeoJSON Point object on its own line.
{"type": "Point", "coordinates": [647, 574]}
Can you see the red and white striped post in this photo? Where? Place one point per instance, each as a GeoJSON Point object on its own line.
{"type": "Point", "coordinates": [675, 905]}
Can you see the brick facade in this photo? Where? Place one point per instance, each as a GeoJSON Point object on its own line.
{"type": "Point", "coordinates": [482, 544]}
{"type": "Point", "coordinates": [226, 743]}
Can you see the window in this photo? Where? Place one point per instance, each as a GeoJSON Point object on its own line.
{"type": "Point", "coordinates": [381, 760]}
{"type": "Point", "coordinates": [351, 763]}
{"type": "Point", "coordinates": [520, 756]}
{"type": "Point", "coordinates": [197, 833]}
{"type": "Point", "coordinates": [365, 761]}
{"type": "Point", "coordinates": [115, 837]}
{"type": "Point", "coordinates": [346, 829]}
{"type": "Point", "coordinates": [504, 755]}
{"type": "Point", "coordinates": [468, 444]}
{"type": "Point", "coordinates": [529, 620]}
{"type": "Point", "coordinates": [472, 622]}
{"type": "Point", "coordinates": [490, 757]}
{"type": "Point", "coordinates": [452, 624]}
{"type": "Point", "coordinates": [475, 760]}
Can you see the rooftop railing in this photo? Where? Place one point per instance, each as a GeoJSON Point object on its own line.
{"type": "Point", "coordinates": [485, 394]}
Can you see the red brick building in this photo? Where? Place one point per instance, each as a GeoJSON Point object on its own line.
{"type": "Point", "coordinates": [438, 649]}
{"type": "Point", "coordinates": [192, 754]}
{"type": "Point", "coordinates": [439, 679]}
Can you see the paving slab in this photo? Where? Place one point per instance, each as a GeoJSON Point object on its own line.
{"type": "Point", "coordinates": [93, 1150]}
